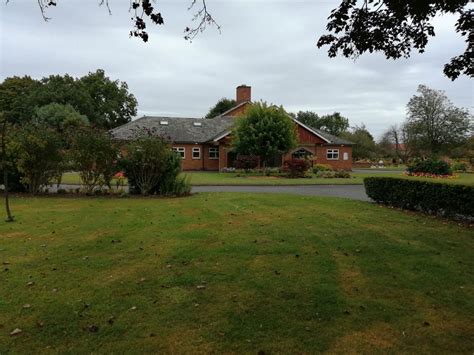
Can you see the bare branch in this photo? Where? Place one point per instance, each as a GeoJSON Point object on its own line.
{"type": "Point", "coordinates": [204, 18]}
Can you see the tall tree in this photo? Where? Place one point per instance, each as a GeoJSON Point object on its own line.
{"type": "Point", "coordinates": [396, 28]}
{"type": "Point", "coordinates": [16, 100]}
{"type": "Point", "coordinates": [106, 103]}
{"type": "Point", "coordinates": [264, 131]}
{"type": "Point", "coordinates": [364, 147]}
{"type": "Point", "coordinates": [396, 142]}
{"type": "Point", "coordinates": [112, 104]}
{"type": "Point", "coordinates": [334, 124]}
{"type": "Point", "coordinates": [435, 124]}
{"type": "Point", "coordinates": [220, 107]}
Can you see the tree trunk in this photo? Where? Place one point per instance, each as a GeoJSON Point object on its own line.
{"type": "Point", "coordinates": [5, 193]}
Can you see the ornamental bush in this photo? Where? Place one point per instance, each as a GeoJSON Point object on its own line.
{"type": "Point", "coordinates": [296, 168]}
{"type": "Point", "coordinates": [429, 197]}
{"type": "Point", "coordinates": [153, 168]}
{"type": "Point", "coordinates": [321, 167]}
{"type": "Point", "coordinates": [246, 162]}
{"type": "Point", "coordinates": [429, 166]}
{"type": "Point", "coordinates": [94, 156]}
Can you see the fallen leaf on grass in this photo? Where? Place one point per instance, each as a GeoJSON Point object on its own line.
{"type": "Point", "coordinates": [16, 332]}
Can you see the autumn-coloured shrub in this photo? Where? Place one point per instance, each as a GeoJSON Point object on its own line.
{"type": "Point", "coordinates": [296, 168]}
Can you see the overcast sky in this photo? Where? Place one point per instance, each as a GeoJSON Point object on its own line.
{"type": "Point", "coordinates": [270, 45]}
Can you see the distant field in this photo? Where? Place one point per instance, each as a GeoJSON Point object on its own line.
{"type": "Point", "coordinates": [232, 273]}
{"type": "Point", "coordinates": [214, 178]}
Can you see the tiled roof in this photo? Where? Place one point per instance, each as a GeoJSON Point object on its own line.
{"type": "Point", "coordinates": [195, 130]}
{"type": "Point", "coordinates": [175, 129]}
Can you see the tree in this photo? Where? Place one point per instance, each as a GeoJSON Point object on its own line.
{"type": "Point", "coordinates": [4, 164]}
{"type": "Point", "coordinates": [435, 124]}
{"type": "Point", "coordinates": [264, 131]}
{"type": "Point", "coordinates": [16, 100]}
{"type": "Point", "coordinates": [113, 105]}
{"type": "Point", "coordinates": [397, 143]}
{"type": "Point", "coordinates": [220, 107]}
{"type": "Point", "coordinates": [61, 117]}
{"type": "Point", "coordinates": [364, 147]}
{"type": "Point", "coordinates": [94, 156]}
{"type": "Point", "coordinates": [334, 124]}
{"type": "Point", "coordinates": [308, 118]}
{"type": "Point", "coordinates": [38, 153]}
{"type": "Point", "coordinates": [396, 28]}
{"type": "Point", "coordinates": [106, 103]}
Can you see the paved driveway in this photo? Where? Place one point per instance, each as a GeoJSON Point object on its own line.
{"type": "Point", "coordinates": [355, 192]}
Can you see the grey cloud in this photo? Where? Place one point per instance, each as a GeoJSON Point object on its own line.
{"type": "Point", "coordinates": [270, 45]}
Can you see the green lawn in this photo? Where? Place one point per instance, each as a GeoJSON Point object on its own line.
{"type": "Point", "coordinates": [243, 273]}
{"type": "Point", "coordinates": [215, 178]}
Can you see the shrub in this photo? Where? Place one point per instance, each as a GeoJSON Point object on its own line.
{"type": "Point", "coordinates": [429, 197]}
{"type": "Point", "coordinates": [342, 174]}
{"type": "Point", "coordinates": [39, 155]}
{"type": "Point", "coordinates": [61, 191]}
{"type": "Point", "coordinates": [429, 166]}
{"type": "Point", "coordinates": [325, 174]}
{"type": "Point", "coordinates": [321, 167]}
{"type": "Point", "coordinates": [338, 174]}
{"type": "Point", "coordinates": [153, 168]}
{"type": "Point", "coordinates": [296, 168]}
{"type": "Point", "coordinates": [94, 156]}
{"type": "Point", "coordinates": [459, 166]}
{"type": "Point", "coordinates": [246, 162]}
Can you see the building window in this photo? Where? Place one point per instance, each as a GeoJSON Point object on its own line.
{"type": "Point", "coordinates": [302, 154]}
{"type": "Point", "coordinates": [213, 153]}
{"type": "Point", "coordinates": [180, 150]}
{"type": "Point", "coordinates": [332, 154]}
{"type": "Point", "coordinates": [196, 153]}
{"type": "Point", "coordinates": [346, 156]}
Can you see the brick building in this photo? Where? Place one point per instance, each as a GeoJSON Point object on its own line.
{"type": "Point", "coordinates": [205, 144]}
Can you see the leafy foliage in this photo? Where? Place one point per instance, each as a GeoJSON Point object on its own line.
{"type": "Point", "coordinates": [16, 100]}
{"type": "Point", "coordinates": [396, 28]}
{"type": "Point", "coordinates": [105, 103]}
{"type": "Point", "coordinates": [430, 166]}
{"type": "Point", "coordinates": [264, 131]}
{"type": "Point", "coordinates": [153, 168]}
{"type": "Point", "coordinates": [94, 156]}
{"type": "Point", "coordinates": [321, 167]}
{"type": "Point", "coordinates": [61, 117]}
{"type": "Point", "coordinates": [435, 124]}
{"type": "Point", "coordinates": [38, 155]}
{"type": "Point", "coordinates": [296, 168]}
{"type": "Point", "coordinates": [364, 147]}
{"type": "Point", "coordinates": [429, 197]}
{"type": "Point", "coordinates": [220, 107]}
{"type": "Point", "coordinates": [334, 124]}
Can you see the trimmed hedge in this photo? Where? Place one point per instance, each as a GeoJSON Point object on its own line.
{"type": "Point", "coordinates": [429, 197]}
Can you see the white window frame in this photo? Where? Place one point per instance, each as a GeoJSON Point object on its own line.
{"type": "Point", "coordinates": [345, 156]}
{"type": "Point", "coordinates": [194, 150]}
{"type": "Point", "coordinates": [215, 151]}
{"type": "Point", "coordinates": [334, 154]}
{"type": "Point", "coordinates": [181, 151]}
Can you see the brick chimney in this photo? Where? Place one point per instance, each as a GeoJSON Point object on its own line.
{"type": "Point", "coordinates": [244, 93]}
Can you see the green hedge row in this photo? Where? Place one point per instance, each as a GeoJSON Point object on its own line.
{"type": "Point", "coordinates": [429, 197]}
